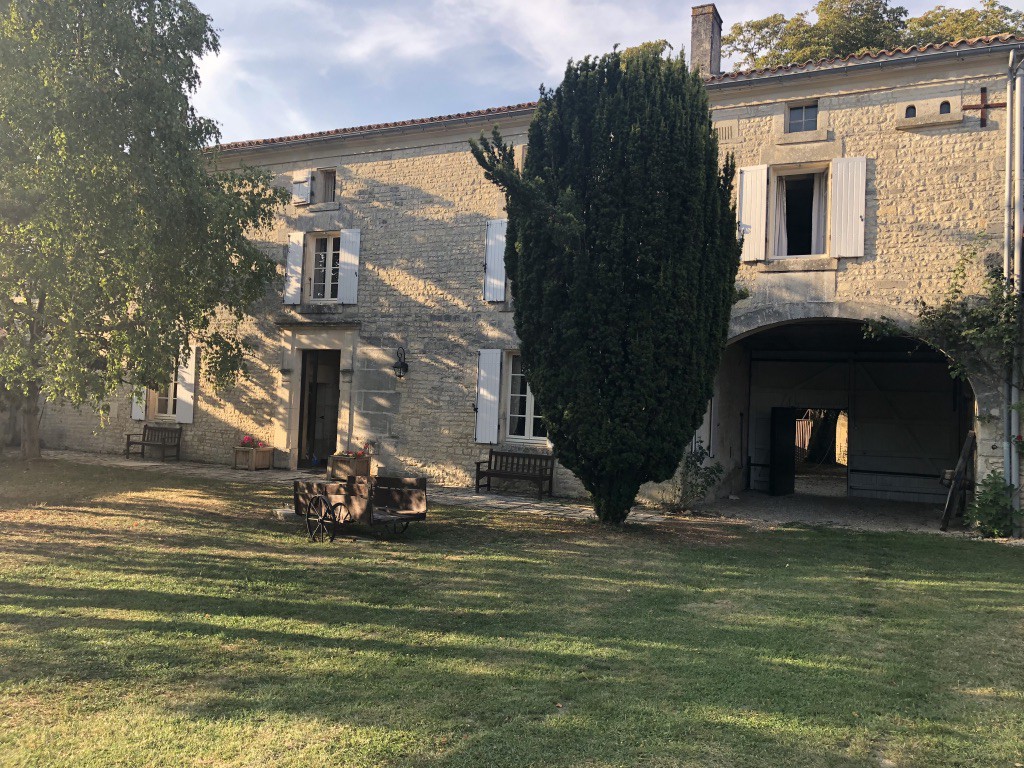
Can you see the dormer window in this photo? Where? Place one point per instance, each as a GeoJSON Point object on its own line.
{"type": "Point", "coordinates": [801, 118]}
{"type": "Point", "coordinates": [911, 111]}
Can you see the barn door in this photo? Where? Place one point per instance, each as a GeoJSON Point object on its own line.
{"type": "Point", "coordinates": [782, 467]}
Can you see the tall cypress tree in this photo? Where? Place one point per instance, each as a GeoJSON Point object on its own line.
{"type": "Point", "coordinates": [622, 254]}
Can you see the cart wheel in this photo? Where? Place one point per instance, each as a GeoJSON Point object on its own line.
{"type": "Point", "coordinates": [321, 522]}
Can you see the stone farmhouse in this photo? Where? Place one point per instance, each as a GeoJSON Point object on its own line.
{"type": "Point", "coordinates": [863, 182]}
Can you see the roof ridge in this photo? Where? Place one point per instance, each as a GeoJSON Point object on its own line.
{"type": "Point", "coordinates": [378, 126]}
{"type": "Point", "coordinates": [1002, 37]}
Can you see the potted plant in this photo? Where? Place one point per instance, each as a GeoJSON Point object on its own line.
{"type": "Point", "coordinates": [253, 454]}
{"type": "Point", "coordinates": [349, 463]}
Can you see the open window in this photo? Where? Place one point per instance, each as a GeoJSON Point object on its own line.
{"type": "Point", "coordinates": [800, 223]}
{"type": "Point", "coordinates": [806, 209]}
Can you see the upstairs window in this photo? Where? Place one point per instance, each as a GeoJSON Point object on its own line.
{"type": "Point", "coordinates": [324, 267]}
{"type": "Point", "coordinates": [911, 111]}
{"type": "Point", "coordinates": [802, 118]}
{"type": "Point", "coordinates": [944, 108]}
{"type": "Point", "coordinates": [319, 186]}
{"type": "Point", "coordinates": [801, 214]}
{"type": "Point", "coordinates": [323, 185]}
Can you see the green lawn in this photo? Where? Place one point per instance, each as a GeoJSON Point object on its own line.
{"type": "Point", "coordinates": [151, 620]}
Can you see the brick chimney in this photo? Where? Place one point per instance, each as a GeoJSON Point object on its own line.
{"type": "Point", "coordinates": [706, 40]}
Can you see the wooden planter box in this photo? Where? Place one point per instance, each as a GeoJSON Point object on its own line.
{"type": "Point", "coordinates": [343, 467]}
{"type": "Point", "coordinates": [254, 458]}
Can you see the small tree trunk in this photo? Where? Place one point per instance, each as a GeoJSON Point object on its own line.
{"type": "Point", "coordinates": [30, 445]}
{"type": "Point", "coordinates": [613, 502]}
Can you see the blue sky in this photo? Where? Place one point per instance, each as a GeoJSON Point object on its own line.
{"type": "Point", "coordinates": [293, 66]}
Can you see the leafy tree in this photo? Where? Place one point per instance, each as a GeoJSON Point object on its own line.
{"type": "Point", "coordinates": [836, 28]}
{"type": "Point", "coordinates": [942, 23]}
{"type": "Point", "coordinates": [118, 247]}
{"type": "Point", "coordinates": [622, 255]}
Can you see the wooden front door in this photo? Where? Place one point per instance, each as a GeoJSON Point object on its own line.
{"type": "Point", "coordinates": [318, 423]}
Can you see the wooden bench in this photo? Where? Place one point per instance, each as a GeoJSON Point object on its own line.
{"type": "Point", "coordinates": [508, 465]}
{"type": "Point", "coordinates": [164, 438]}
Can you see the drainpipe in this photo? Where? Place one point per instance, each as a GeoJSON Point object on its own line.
{"type": "Point", "coordinates": [1018, 256]}
{"type": "Point", "coordinates": [1008, 433]}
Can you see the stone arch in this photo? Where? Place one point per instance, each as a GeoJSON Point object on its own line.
{"type": "Point", "coordinates": [747, 321]}
{"type": "Point", "coordinates": [759, 318]}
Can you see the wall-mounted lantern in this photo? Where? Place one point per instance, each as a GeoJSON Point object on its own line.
{"type": "Point", "coordinates": [401, 367]}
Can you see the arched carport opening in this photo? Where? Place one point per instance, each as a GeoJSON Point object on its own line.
{"type": "Point", "coordinates": [897, 417]}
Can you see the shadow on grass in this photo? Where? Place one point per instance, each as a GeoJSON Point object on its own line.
{"type": "Point", "coordinates": [511, 639]}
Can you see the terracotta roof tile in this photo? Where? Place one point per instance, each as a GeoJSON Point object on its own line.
{"type": "Point", "coordinates": [380, 126]}
{"type": "Point", "coordinates": [869, 56]}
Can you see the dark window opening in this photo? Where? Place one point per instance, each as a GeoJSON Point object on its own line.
{"type": "Point", "coordinates": [944, 108]}
{"type": "Point", "coordinates": [911, 111]}
{"type": "Point", "coordinates": [799, 215]}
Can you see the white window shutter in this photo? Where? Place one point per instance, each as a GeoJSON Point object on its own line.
{"type": "Point", "coordinates": [139, 407]}
{"type": "Point", "coordinates": [293, 268]}
{"type": "Point", "coordinates": [186, 402]}
{"type": "Point", "coordinates": [494, 263]}
{"type": "Point", "coordinates": [301, 189]}
{"type": "Point", "coordinates": [488, 386]}
{"type": "Point", "coordinates": [849, 189]}
{"type": "Point", "coordinates": [348, 267]}
{"type": "Point", "coordinates": [752, 212]}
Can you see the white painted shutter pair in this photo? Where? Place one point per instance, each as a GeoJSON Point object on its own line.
{"type": "Point", "coordinates": [494, 262]}
{"type": "Point", "coordinates": [184, 411]}
{"type": "Point", "coordinates": [348, 268]}
{"type": "Point", "coordinates": [846, 214]}
{"type": "Point", "coordinates": [488, 390]}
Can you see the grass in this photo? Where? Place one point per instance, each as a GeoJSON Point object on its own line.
{"type": "Point", "coordinates": [147, 619]}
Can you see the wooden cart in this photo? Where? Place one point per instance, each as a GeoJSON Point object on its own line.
{"type": "Point", "coordinates": [384, 503]}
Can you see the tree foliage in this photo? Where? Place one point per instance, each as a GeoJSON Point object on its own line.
{"type": "Point", "coordinates": [118, 247]}
{"type": "Point", "coordinates": [836, 28]}
{"type": "Point", "coordinates": [622, 255]}
{"type": "Point", "coordinates": [979, 332]}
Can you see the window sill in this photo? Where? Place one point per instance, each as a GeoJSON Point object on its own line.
{"type": "Point", "coordinates": [325, 313]}
{"type": "Point", "coordinates": [800, 264]}
{"type": "Point", "coordinates": [323, 206]}
{"type": "Point", "coordinates": [803, 137]}
{"type": "Point", "coordinates": [927, 121]}
{"type": "Point", "coordinates": [536, 442]}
